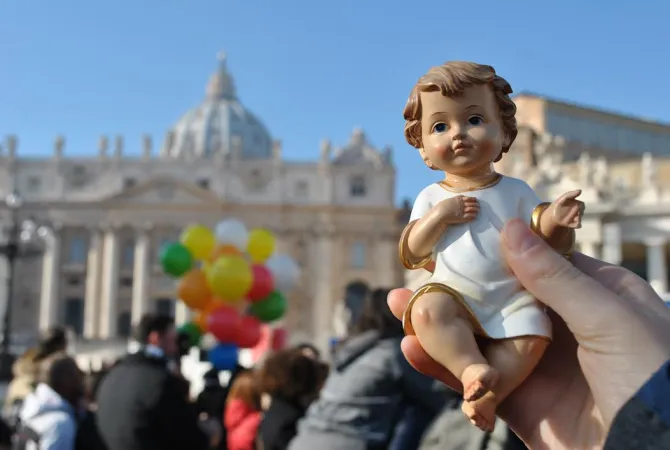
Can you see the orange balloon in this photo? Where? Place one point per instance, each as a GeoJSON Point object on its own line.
{"type": "Point", "coordinates": [193, 289]}
{"type": "Point", "coordinates": [222, 250]}
{"type": "Point", "coordinates": [200, 317]}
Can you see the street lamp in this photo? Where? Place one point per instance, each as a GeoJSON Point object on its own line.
{"type": "Point", "coordinates": [20, 235]}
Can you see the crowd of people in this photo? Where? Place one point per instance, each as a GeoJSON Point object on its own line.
{"type": "Point", "coordinates": [604, 383]}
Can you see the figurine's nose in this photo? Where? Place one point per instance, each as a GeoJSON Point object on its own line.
{"type": "Point", "coordinates": [458, 133]}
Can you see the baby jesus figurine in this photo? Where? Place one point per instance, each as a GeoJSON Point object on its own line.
{"type": "Point", "coordinates": [461, 119]}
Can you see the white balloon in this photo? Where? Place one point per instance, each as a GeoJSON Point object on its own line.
{"type": "Point", "coordinates": [233, 232]}
{"type": "Point", "coordinates": [284, 270]}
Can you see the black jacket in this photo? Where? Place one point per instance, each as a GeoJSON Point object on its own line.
{"type": "Point", "coordinates": [279, 424]}
{"type": "Point", "coordinates": [141, 406]}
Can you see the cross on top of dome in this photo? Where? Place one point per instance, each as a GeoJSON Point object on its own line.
{"type": "Point", "coordinates": [221, 85]}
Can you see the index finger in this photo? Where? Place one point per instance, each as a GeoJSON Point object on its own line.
{"type": "Point", "coordinates": [571, 195]}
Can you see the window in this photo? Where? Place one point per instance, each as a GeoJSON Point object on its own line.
{"type": "Point", "coordinates": [301, 189]}
{"type": "Point", "coordinates": [358, 255]}
{"type": "Point", "coordinates": [73, 280]}
{"type": "Point", "coordinates": [357, 186]}
{"type": "Point", "coordinates": [34, 184]}
{"type": "Point", "coordinates": [203, 183]}
{"type": "Point", "coordinates": [128, 255]}
{"type": "Point", "coordinates": [165, 306]}
{"type": "Point", "coordinates": [126, 282]}
{"type": "Point", "coordinates": [74, 314]}
{"type": "Point", "coordinates": [129, 182]}
{"type": "Point", "coordinates": [77, 253]}
{"type": "Point", "coordinates": [123, 324]}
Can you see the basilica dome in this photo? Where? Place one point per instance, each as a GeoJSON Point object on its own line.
{"type": "Point", "coordinates": [220, 125]}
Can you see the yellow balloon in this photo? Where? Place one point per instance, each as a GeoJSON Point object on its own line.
{"type": "Point", "coordinates": [230, 277]}
{"type": "Point", "coordinates": [261, 245]}
{"type": "Point", "coordinates": [199, 240]}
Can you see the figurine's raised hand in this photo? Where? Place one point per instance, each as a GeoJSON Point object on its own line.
{"type": "Point", "coordinates": [567, 211]}
{"type": "Point", "coordinates": [459, 209]}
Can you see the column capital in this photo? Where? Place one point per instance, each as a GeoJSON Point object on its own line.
{"type": "Point", "coordinates": [109, 227]}
{"type": "Point", "coordinates": [143, 228]}
{"type": "Point", "coordinates": [656, 241]}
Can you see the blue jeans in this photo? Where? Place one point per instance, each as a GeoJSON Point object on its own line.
{"type": "Point", "coordinates": [410, 429]}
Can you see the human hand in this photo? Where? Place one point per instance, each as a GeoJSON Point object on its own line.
{"type": "Point", "coordinates": [566, 211]}
{"type": "Point", "coordinates": [603, 317]}
{"type": "Point", "coordinates": [459, 209]}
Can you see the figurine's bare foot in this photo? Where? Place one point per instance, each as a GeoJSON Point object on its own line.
{"type": "Point", "coordinates": [481, 413]}
{"type": "Point", "coordinates": [478, 379]}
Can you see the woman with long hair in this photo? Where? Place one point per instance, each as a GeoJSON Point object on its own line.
{"type": "Point", "coordinates": [292, 379]}
{"type": "Point", "coordinates": [369, 387]}
{"type": "Point", "coordinates": [242, 412]}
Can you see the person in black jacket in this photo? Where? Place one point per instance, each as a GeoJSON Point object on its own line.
{"type": "Point", "coordinates": [141, 404]}
{"type": "Point", "coordinates": [292, 380]}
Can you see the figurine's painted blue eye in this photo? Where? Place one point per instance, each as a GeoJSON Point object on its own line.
{"type": "Point", "coordinates": [475, 120]}
{"type": "Point", "coordinates": [439, 127]}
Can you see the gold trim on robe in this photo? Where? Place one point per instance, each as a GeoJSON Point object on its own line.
{"type": "Point", "coordinates": [403, 250]}
{"type": "Point", "coordinates": [477, 327]}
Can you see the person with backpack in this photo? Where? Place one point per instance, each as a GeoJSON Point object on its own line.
{"type": "Point", "coordinates": [48, 418]}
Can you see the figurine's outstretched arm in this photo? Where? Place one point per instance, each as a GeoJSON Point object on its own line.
{"type": "Point", "coordinates": [556, 222]}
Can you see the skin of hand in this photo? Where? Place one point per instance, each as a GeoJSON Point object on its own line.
{"type": "Point", "coordinates": [611, 333]}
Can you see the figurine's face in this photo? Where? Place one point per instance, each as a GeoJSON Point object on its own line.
{"type": "Point", "coordinates": [461, 134]}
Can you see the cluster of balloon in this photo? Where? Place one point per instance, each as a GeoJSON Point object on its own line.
{"type": "Point", "coordinates": [233, 280]}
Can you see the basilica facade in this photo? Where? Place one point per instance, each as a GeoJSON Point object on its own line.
{"type": "Point", "coordinates": [108, 215]}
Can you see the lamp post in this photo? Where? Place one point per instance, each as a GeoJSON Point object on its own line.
{"type": "Point", "coordinates": [20, 235]}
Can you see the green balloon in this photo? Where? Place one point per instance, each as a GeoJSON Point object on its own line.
{"type": "Point", "coordinates": [269, 309]}
{"type": "Point", "coordinates": [193, 332]}
{"type": "Point", "coordinates": [176, 259]}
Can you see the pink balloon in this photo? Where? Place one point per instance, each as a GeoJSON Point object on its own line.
{"type": "Point", "coordinates": [224, 323]}
{"type": "Point", "coordinates": [263, 283]}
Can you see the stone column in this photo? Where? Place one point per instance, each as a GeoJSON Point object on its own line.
{"type": "Point", "coordinates": [612, 243]}
{"type": "Point", "coordinates": [93, 279]}
{"type": "Point", "coordinates": [182, 313]}
{"type": "Point", "coordinates": [141, 267]}
{"type": "Point", "coordinates": [386, 260]}
{"type": "Point", "coordinates": [657, 267]}
{"type": "Point", "coordinates": [49, 294]}
{"type": "Point", "coordinates": [590, 248]}
{"type": "Point", "coordinates": [322, 257]}
{"type": "Point", "coordinates": [110, 285]}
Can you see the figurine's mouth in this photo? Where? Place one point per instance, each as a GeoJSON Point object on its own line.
{"type": "Point", "coordinates": [460, 148]}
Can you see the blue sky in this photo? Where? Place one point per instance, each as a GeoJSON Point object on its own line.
{"type": "Point", "coordinates": [309, 69]}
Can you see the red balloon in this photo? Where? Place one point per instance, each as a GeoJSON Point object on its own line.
{"type": "Point", "coordinates": [223, 323]}
{"type": "Point", "coordinates": [248, 332]}
{"type": "Point", "coordinates": [263, 284]}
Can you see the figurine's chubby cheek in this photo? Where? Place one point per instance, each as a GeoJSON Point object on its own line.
{"type": "Point", "coordinates": [440, 150]}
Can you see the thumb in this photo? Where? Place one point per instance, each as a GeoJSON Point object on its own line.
{"type": "Point", "coordinates": [581, 301]}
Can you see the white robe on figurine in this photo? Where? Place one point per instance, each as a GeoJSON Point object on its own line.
{"type": "Point", "coordinates": [469, 260]}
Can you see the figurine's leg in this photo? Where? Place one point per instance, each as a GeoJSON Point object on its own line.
{"type": "Point", "coordinates": [446, 333]}
{"type": "Point", "coordinates": [514, 359]}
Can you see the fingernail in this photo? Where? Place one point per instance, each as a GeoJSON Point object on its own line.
{"type": "Point", "coordinates": [518, 236]}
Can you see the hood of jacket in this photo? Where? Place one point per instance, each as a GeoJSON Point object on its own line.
{"type": "Point", "coordinates": [352, 348]}
{"type": "Point", "coordinates": [44, 400]}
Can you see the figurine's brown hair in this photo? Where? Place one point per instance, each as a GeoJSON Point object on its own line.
{"type": "Point", "coordinates": [451, 79]}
